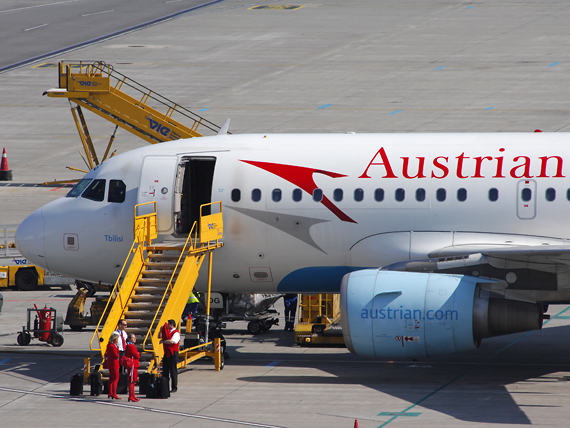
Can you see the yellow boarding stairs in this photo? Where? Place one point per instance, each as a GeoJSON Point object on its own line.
{"type": "Point", "coordinates": [319, 320]}
{"type": "Point", "coordinates": [157, 284]}
{"type": "Point", "coordinates": [98, 87]}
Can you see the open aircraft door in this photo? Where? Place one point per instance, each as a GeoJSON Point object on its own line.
{"type": "Point", "coordinates": [157, 184]}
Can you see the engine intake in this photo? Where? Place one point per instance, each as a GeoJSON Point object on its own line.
{"type": "Point", "coordinates": [398, 315]}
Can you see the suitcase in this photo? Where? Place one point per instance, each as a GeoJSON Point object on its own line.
{"type": "Point", "coordinates": [192, 339]}
{"type": "Point", "coordinates": [146, 380]}
{"type": "Point", "coordinates": [162, 387]}
{"type": "Point", "coordinates": [76, 384]}
{"type": "Point", "coordinates": [123, 384]}
{"type": "Point", "coordinates": [96, 384]}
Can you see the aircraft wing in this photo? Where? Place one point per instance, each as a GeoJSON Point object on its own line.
{"type": "Point", "coordinates": [543, 254]}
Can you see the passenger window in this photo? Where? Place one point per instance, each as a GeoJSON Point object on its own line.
{"type": "Point", "coordinates": [358, 195]}
{"type": "Point", "coordinates": [276, 195]}
{"type": "Point", "coordinates": [338, 195]}
{"type": "Point", "coordinates": [550, 194]}
{"type": "Point", "coordinates": [526, 194]}
{"type": "Point", "coordinates": [493, 194]}
{"type": "Point", "coordinates": [256, 195]}
{"type": "Point", "coordinates": [440, 194]}
{"type": "Point", "coordinates": [117, 191]}
{"type": "Point", "coordinates": [461, 195]}
{"type": "Point", "coordinates": [420, 195]}
{"type": "Point", "coordinates": [236, 195]}
{"type": "Point", "coordinates": [400, 195]}
{"type": "Point", "coordinates": [317, 195]}
{"type": "Point", "coordinates": [568, 194]}
{"type": "Point", "coordinates": [95, 191]}
{"type": "Point", "coordinates": [297, 195]}
{"type": "Point", "coordinates": [82, 185]}
{"type": "Point", "coordinates": [379, 195]}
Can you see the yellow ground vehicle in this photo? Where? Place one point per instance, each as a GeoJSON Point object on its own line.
{"type": "Point", "coordinates": [15, 270]}
{"type": "Point", "coordinates": [24, 277]}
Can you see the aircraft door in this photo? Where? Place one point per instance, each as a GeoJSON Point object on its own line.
{"type": "Point", "coordinates": [157, 184]}
{"type": "Point", "coordinates": [196, 180]}
{"type": "Point", "coordinates": [526, 199]}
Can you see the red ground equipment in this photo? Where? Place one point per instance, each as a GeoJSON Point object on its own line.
{"type": "Point", "coordinates": [47, 327]}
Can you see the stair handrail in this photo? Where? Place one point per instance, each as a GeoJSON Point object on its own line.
{"type": "Point", "coordinates": [169, 286]}
{"type": "Point", "coordinates": [133, 84]}
{"type": "Point", "coordinates": [145, 224]}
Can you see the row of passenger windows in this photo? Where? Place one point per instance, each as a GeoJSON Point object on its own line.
{"type": "Point", "coordinates": [95, 190]}
{"type": "Point", "coordinates": [399, 195]}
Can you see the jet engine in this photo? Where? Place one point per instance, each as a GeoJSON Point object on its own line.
{"type": "Point", "coordinates": [399, 315]}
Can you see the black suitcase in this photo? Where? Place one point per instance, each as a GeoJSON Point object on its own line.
{"type": "Point", "coordinates": [76, 384]}
{"type": "Point", "coordinates": [96, 384]}
{"type": "Point", "coordinates": [123, 384]}
{"type": "Point", "coordinates": [162, 387]}
{"type": "Point", "coordinates": [146, 381]}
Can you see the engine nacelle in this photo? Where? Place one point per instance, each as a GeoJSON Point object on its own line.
{"type": "Point", "coordinates": [399, 315]}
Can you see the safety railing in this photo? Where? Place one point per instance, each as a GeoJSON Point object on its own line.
{"type": "Point", "coordinates": [144, 230]}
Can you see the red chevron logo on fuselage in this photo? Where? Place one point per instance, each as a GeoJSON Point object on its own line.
{"type": "Point", "coordinates": [302, 177]}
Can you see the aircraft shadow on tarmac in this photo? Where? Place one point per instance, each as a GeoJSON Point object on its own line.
{"type": "Point", "coordinates": [469, 386]}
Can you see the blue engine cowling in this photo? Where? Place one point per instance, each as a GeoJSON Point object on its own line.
{"type": "Point", "coordinates": [399, 315]}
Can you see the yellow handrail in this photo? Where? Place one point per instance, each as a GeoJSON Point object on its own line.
{"type": "Point", "coordinates": [169, 286]}
{"type": "Point", "coordinates": [114, 292]}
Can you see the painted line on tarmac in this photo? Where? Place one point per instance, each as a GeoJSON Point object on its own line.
{"type": "Point", "coordinates": [106, 37]}
{"type": "Point", "coordinates": [135, 407]}
{"type": "Point", "coordinates": [466, 372]}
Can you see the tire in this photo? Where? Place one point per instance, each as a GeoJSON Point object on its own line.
{"type": "Point", "coordinates": [56, 340]}
{"type": "Point", "coordinates": [76, 327]}
{"type": "Point", "coordinates": [27, 279]}
{"type": "Point", "coordinates": [222, 362]}
{"type": "Point", "coordinates": [24, 339]}
{"type": "Point", "coordinates": [254, 327]}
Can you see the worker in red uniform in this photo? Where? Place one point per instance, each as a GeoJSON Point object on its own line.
{"type": "Point", "coordinates": [132, 352]}
{"type": "Point", "coordinates": [113, 364]}
{"type": "Point", "coordinates": [170, 338]}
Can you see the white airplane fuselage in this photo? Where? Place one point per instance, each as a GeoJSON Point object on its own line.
{"type": "Point", "coordinates": [366, 201]}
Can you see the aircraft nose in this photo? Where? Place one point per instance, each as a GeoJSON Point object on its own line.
{"type": "Point", "coordinates": [30, 239]}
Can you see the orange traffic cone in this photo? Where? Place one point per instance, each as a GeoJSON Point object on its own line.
{"type": "Point", "coordinates": [5, 173]}
{"type": "Point", "coordinates": [356, 423]}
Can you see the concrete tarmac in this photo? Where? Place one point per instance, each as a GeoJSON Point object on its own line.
{"type": "Point", "coordinates": [360, 66]}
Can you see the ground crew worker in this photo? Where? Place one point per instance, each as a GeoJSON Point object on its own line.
{"type": "Point", "coordinates": [290, 311]}
{"type": "Point", "coordinates": [191, 306]}
{"type": "Point", "coordinates": [170, 338]}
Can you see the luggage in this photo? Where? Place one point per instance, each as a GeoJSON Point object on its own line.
{"type": "Point", "coordinates": [96, 384]}
{"type": "Point", "coordinates": [162, 387]}
{"type": "Point", "coordinates": [146, 381]}
{"type": "Point", "coordinates": [192, 339]}
{"type": "Point", "coordinates": [76, 384]}
{"type": "Point", "coordinates": [123, 385]}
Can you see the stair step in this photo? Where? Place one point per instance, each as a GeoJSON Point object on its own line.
{"type": "Point", "coordinates": [140, 315]}
{"type": "Point", "coordinates": [148, 289]}
{"type": "Point", "coordinates": [149, 298]}
{"type": "Point", "coordinates": [138, 323]}
{"type": "Point", "coordinates": [160, 265]}
{"type": "Point", "coordinates": [143, 306]}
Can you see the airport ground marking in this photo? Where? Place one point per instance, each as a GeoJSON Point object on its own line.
{"type": "Point", "coordinates": [466, 372]}
{"type": "Point", "coordinates": [489, 108]}
{"type": "Point", "coordinates": [324, 106]}
{"type": "Point", "coordinates": [273, 363]}
{"type": "Point", "coordinates": [554, 64]}
{"type": "Point", "coordinates": [135, 407]}
{"type": "Point", "coordinates": [439, 68]}
{"type": "Point", "coordinates": [394, 112]}
{"type": "Point", "coordinates": [4, 361]}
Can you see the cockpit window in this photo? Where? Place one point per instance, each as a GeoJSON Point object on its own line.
{"type": "Point", "coordinates": [78, 188]}
{"type": "Point", "coordinates": [95, 191]}
{"type": "Point", "coordinates": [117, 190]}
